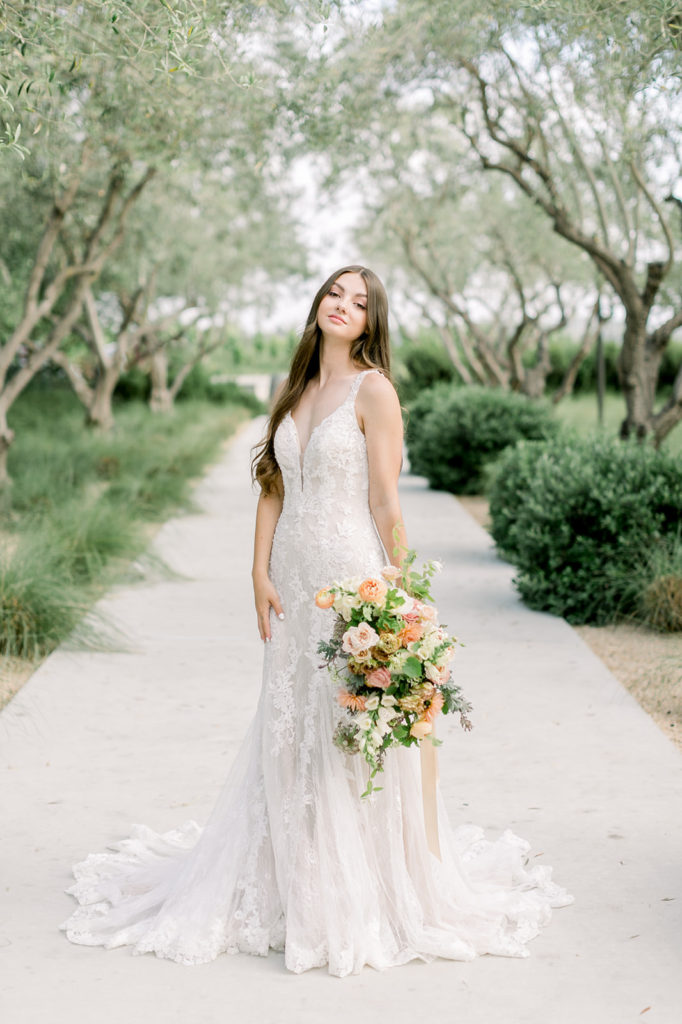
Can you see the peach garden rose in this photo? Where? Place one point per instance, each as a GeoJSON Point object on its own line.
{"type": "Point", "coordinates": [373, 591]}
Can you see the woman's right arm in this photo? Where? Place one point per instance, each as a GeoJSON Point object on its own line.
{"type": "Point", "coordinates": [265, 594]}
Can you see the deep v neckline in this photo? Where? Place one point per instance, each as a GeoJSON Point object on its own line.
{"type": "Point", "coordinates": [302, 451]}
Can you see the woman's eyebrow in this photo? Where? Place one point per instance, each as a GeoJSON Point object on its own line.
{"type": "Point", "coordinates": [358, 295]}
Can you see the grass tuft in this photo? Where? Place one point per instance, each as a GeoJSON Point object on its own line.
{"type": "Point", "coordinates": [77, 513]}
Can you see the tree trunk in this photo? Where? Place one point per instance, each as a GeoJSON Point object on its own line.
{"type": "Point", "coordinates": [671, 413]}
{"type": "Point", "coordinates": [100, 413]}
{"type": "Point", "coordinates": [590, 336]}
{"type": "Point", "coordinates": [6, 438]}
{"type": "Point", "coordinates": [160, 399]}
{"type": "Point", "coordinates": [638, 367]}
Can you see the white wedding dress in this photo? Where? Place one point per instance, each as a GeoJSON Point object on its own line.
{"type": "Point", "coordinates": [291, 858]}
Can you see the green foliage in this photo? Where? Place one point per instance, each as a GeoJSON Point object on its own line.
{"type": "Point", "coordinates": [39, 606]}
{"type": "Point", "coordinates": [562, 351]}
{"type": "Point", "coordinates": [199, 385]}
{"type": "Point", "coordinates": [456, 435]}
{"type": "Point", "coordinates": [427, 401]}
{"type": "Point", "coordinates": [657, 586]}
{"type": "Point", "coordinates": [424, 366]}
{"type": "Point", "coordinates": [133, 385]}
{"type": "Point", "coordinates": [77, 508]}
{"type": "Point", "coordinates": [579, 516]}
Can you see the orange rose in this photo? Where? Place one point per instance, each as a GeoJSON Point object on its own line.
{"type": "Point", "coordinates": [420, 729]}
{"type": "Point", "coordinates": [372, 590]}
{"type": "Point", "coordinates": [410, 632]}
{"type": "Point", "coordinates": [324, 599]}
{"type": "Point", "coordinates": [352, 701]}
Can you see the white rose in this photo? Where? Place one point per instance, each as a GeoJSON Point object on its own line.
{"type": "Point", "coordinates": [345, 603]}
{"type": "Point", "coordinates": [428, 644]}
{"type": "Point", "coordinates": [372, 703]}
{"type": "Point", "coordinates": [431, 672]}
{"type": "Point", "coordinates": [363, 721]}
{"type": "Point", "coordinates": [388, 700]}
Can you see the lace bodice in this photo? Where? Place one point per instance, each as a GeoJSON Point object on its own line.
{"type": "Point", "coordinates": [325, 529]}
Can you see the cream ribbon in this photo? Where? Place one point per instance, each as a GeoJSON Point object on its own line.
{"type": "Point", "coordinates": [429, 766]}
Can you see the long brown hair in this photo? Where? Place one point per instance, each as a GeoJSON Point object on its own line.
{"type": "Point", "coordinates": [370, 350]}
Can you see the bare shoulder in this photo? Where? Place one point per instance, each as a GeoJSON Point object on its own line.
{"type": "Point", "coordinates": [378, 405]}
{"type": "Point", "coordinates": [377, 389]}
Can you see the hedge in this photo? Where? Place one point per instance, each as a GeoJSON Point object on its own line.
{"type": "Point", "coordinates": [453, 434]}
{"type": "Point", "coordinates": [584, 520]}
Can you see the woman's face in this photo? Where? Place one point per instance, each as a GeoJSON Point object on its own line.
{"type": "Point", "coordinates": [342, 313]}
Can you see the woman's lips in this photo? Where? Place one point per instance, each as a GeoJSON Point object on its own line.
{"type": "Point", "coordinates": [333, 316]}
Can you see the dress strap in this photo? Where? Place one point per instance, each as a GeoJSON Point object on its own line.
{"type": "Point", "coordinates": [358, 379]}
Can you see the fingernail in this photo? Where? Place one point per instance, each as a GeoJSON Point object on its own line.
{"type": "Point", "coordinates": [267, 639]}
{"type": "Point", "coordinates": [281, 615]}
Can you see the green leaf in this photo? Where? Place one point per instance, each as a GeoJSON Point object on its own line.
{"type": "Point", "coordinates": [412, 667]}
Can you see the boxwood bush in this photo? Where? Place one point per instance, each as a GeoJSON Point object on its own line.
{"type": "Point", "coordinates": [579, 517]}
{"type": "Point", "coordinates": [454, 433]}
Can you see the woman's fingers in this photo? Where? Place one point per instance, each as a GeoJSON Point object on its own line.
{"type": "Point", "coordinates": [277, 605]}
{"type": "Point", "coordinates": [270, 598]}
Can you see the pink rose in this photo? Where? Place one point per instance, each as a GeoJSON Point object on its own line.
{"type": "Point", "coordinates": [426, 612]}
{"type": "Point", "coordinates": [359, 638]}
{"type": "Point", "coordinates": [380, 677]}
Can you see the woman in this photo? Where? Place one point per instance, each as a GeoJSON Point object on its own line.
{"type": "Point", "coordinates": [291, 858]}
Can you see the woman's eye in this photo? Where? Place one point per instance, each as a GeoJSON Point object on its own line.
{"type": "Point", "coordinates": [360, 305]}
{"type": "Point", "coordinates": [334, 295]}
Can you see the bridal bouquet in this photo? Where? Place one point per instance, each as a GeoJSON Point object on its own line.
{"type": "Point", "coordinates": [391, 660]}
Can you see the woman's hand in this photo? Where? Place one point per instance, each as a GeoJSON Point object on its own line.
{"type": "Point", "coordinates": [265, 595]}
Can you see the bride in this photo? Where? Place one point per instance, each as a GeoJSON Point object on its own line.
{"type": "Point", "coordinates": [291, 858]}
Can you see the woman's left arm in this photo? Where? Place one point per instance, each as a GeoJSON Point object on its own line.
{"type": "Point", "coordinates": [382, 423]}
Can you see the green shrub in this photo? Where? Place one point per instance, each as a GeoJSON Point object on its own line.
{"type": "Point", "coordinates": [578, 517]}
{"type": "Point", "coordinates": [426, 365]}
{"type": "Point", "coordinates": [455, 433]}
{"type": "Point", "coordinates": [414, 416]}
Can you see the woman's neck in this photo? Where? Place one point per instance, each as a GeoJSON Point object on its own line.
{"type": "Point", "coordinates": [335, 361]}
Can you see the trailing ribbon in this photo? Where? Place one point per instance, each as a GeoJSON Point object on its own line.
{"type": "Point", "coordinates": [429, 766]}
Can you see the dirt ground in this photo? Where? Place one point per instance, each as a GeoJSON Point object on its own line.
{"type": "Point", "coordinates": [14, 672]}
{"type": "Point", "coordinates": [647, 663]}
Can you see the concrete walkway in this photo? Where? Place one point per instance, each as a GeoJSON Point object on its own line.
{"type": "Point", "coordinates": [560, 753]}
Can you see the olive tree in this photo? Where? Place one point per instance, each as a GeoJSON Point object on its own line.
{"type": "Point", "coordinates": [153, 94]}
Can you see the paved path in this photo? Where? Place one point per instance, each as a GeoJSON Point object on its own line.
{"type": "Point", "coordinates": [560, 753]}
